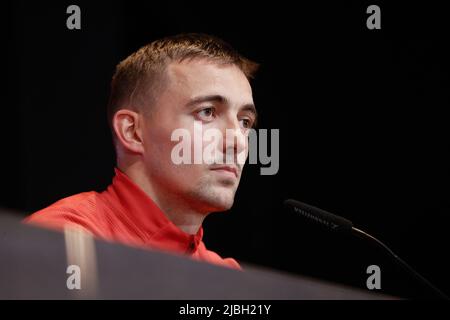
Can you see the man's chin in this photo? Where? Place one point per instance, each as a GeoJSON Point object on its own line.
{"type": "Point", "coordinates": [219, 202]}
{"type": "Point", "coordinates": [220, 208]}
{"type": "Point", "coordinates": [213, 197]}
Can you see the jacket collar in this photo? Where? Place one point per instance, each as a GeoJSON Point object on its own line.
{"type": "Point", "coordinates": [145, 218]}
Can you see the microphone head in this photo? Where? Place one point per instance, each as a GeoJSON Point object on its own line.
{"type": "Point", "coordinates": [319, 216]}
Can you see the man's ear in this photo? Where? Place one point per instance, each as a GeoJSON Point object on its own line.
{"type": "Point", "coordinates": [128, 129]}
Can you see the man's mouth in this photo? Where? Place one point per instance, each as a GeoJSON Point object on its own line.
{"type": "Point", "coordinates": [228, 170]}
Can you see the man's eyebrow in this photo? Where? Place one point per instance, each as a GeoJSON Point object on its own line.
{"type": "Point", "coordinates": [210, 98]}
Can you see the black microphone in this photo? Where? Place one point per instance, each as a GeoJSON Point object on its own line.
{"type": "Point", "coordinates": [341, 225]}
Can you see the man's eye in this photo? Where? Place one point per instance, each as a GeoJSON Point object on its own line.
{"type": "Point", "coordinates": [206, 113]}
{"type": "Point", "coordinates": [246, 123]}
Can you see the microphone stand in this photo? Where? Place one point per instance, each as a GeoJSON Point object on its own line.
{"type": "Point", "coordinates": [365, 236]}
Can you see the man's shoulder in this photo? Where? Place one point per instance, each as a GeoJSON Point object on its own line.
{"type": "Point", "coordinates": [77, 210]}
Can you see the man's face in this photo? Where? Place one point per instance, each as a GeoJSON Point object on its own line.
{"type": "Point", "coordinates": [199, 95]}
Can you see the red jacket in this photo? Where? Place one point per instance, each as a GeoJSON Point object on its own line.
{"type": "Point", "coordinates": [126, 214]}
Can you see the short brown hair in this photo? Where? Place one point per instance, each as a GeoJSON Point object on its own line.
{"type": "Point", "coordinates": [141, 72]}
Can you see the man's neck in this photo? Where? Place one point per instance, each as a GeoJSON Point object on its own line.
{"type": "Point", "coordinates": [182, 216]}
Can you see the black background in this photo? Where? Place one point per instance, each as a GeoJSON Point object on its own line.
{"type": "Point", "coordinates": [362, 118]}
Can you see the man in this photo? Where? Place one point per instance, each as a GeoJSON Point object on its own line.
{"type": "Point", "coordinates": [186, 82]}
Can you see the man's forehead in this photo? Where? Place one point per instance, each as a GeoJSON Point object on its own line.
{"type": "Point", "coordinates": [203, 65]}
{"type": "Point", "coordinates": [201, 77]}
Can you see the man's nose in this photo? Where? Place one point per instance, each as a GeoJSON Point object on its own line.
{"type": "Point", "coordinates": [235, 140]}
